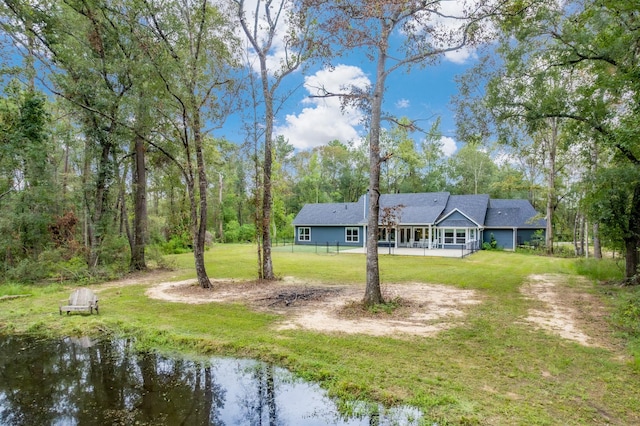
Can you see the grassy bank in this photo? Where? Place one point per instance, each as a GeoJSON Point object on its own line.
{"type": "Point", "coordinates": [492, 369]}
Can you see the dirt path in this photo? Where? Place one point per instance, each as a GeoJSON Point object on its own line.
{"type": "Point", "coordinates": [569, 311]}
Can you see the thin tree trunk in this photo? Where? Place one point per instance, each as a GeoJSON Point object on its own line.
{"type": "Point", "coordinates": [576, 223]}
{"type": "Point", "coordinates": [199, 211]}
{"type": "Point", "coordinates": [373, 295]}
{"type": "Point", "coordinates": [597, 247]}
{"type": "Point", "coordinates": [221, 208]}
{"type": "Point", "coordinates": [138, 262]}
{"type": "Point", "coordinates": [267, 264]}
{"type": "Point", "coordinates": [551, 185]}
{"type": "Point", "coordinates": [632, 239]}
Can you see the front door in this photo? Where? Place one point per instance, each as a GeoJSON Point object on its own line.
{"type": "Point", "coordinates": [405, 237]}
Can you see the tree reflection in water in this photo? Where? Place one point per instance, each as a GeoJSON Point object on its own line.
{"type": "Point", "coordinates": [81, 382]}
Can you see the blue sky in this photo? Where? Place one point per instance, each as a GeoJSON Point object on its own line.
{"type": "Point", "coordinates": [424, 94]}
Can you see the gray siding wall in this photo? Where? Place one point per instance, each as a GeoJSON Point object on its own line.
{"type": "Point", "coordinates": [331, 235]}
{"type": "Point", "coordinates": [458, 220]}
{"type": "Point", "coordinates": [526, 235]}
{"type": "Point", "coordinates": [504, 237]}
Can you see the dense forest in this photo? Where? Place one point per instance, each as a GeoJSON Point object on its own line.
{"type": "Point", "coordinates": [110, 158]}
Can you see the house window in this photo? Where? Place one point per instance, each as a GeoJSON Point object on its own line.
{"type": "Point", "coordinates": [448, 236]}
{"type": "Point", "coordinates": [352, 235]}
{"type": "Point", "coordinates": [387, 235]}
{"type": "Point", "coordinates": [472, 234]}
{"type": "Point", "coordinates": [304, 234]}
{"type": "Point", "coordinates": [461, 235]}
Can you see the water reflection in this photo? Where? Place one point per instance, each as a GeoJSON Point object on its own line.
{"type": "Point", "coordinates": [81, 382]}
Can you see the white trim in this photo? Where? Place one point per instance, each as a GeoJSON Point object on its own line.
{"type": "Point", "coordinates": [308, 237]}
{"type": "Point", "coordinates": [357, 229]}
{"type": "Point", "coordinates": [459, 211]}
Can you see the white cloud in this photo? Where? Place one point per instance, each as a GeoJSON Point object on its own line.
{"type": "Point", "coordinates": [323, 120]}
{"type": "Point", "coordinates": [277, 53]}
{"type": "Point", "coordinates": [460, 56]}
{"type": "Point", "coordinates": [448, 146]}
{"type": "Point", "coordinates": [403, 104]}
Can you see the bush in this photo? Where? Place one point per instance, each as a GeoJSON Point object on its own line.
{"type": "Point", "coordinates": [177, 244]}
{"type": "Point", "coordinates": [491, 245]}
{"type": "Point", "coordinates": [627, 314]}
{"type": "Point", "coordinates": [247, 233]}
{"type": "Point", "coordinates": [155, 258]}
{"type": "Point", "coordinates": [234, 233]}
{"type": "Point", "coordinates": [28, 270]}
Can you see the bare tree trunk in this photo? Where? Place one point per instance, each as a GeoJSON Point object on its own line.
{"type": "Point", "coordinates": [576, 225]}
{"type": "Point", "coordinates": [551, 184]}
{"type": "Point", "coordinates": [199, 211]}
{"type": "Point", "coordinates": [586, 237]}
{"type": "Point", "coordinates": [221, 208]}
{"type": "Point", "coordinates": [597, 247]}
{"type": "Point", "coordinates": [267, 264]}
{"type": "Point", "coordinates": [99, 200]}
{"type": "Point", "coordinates": [632, 239]}
{"type": "Point", "coordinates": [373, 294]}
{"type": "Point", "coordinates": [138, 262]}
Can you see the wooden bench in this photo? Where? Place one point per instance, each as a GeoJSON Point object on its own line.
{"type": "Point", "coordinates": [80, 300]}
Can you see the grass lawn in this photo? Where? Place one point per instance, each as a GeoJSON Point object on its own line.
{"type": "Point", "coordinates": [493, 368]}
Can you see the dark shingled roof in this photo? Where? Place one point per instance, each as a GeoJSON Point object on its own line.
{"type": "Point", "coordinates": [472, 206]}
{"type": "Point", "coordinates": [420, 208]}
{"type": "Point", "coordinates": [427, 208]}
{"type": "Point", "coordinates": [513, 214]}
{"type": "Point", "coordinates": [331, 214]}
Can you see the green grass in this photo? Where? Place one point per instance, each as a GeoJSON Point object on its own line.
{"type": "Point", "coordinates": [491, 369]}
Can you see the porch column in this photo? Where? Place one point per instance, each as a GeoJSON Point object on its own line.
{"type": "Point", "coordinates": [430, 237]}
{"type": "Point", "coordinates": [364, 236]}
{"type": "Point", "coordinates": [395, 242]}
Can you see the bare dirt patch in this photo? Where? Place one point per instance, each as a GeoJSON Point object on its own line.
{"type": "Point", "coordinates": [566, 309]}
{"type": "Point", "coordinates": [569, 311]}
{"type": "Point", "coordinates": [421, 309]}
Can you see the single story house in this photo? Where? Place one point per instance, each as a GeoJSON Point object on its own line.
{"type": "Point", "coordinates": [426, 220]}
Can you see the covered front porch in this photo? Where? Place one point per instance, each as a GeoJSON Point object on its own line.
{"type": "Point", "coordinates": [430, 237]}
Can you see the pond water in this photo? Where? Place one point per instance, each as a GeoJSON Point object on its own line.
{"type": "Point", "coordinates": [85, 382]}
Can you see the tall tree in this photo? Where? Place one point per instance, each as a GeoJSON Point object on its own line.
{"type": "Point", "coordinates": [278, 32]}
{"type": "Point", "coordinates": [590, 42]}
{"type": "Point", "coordinates": [472, 169]}
{"type": "Point", "coordinates": [191, 47]}
{"type": "Point", "coordinates": [394, 36]}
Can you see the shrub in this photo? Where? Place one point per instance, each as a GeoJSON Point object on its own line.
{"type": "Point", "coordinates": [235, 233]}
{"type": "Point", "coordinates": [177, 244]}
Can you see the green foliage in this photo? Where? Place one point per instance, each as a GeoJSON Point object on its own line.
{"type": "Point", "coordinates": [492, 244]}
{"type": "Point", "coordinates": [15, 289]}
{"type": "Point", "coordinates": [600, 269]}
{"type": "Point", "coordinates": [388, 307]}
{"type": "Point", "coordinates": [610, 204]}
{"type": "Point", "coordinates": [627, 316]}
{"type": "Point", "coordinates": [564, 250]}
{"type": "Point", "coordinates": [156, 259]}
{"type": "Point", "coordinates": [178, 244]}
{"type": "Point", "coordinates": [235, 233]}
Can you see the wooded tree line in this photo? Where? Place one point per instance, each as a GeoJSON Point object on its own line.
{"type": "Point", "coordinates": [109, 151]}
